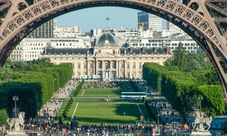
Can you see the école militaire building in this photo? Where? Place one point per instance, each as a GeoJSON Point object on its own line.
{"type": "Point", "coordinates": [107, 59]}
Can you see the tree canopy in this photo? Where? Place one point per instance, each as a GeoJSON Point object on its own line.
{"type": "Point", "coordinates": [4, 116]}
{"type": "Point", "coordinates": [33, 82]}
{"type": "Point", "coordinates": [179, 58]}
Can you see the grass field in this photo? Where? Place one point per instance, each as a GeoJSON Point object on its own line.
{"type": "Point", "coordinates": [105, 92]}
{"type": "Point", "coordinates": [101, 92]}
{"type": "Point", "coordinates": [91, 111]}
{"type": "Point", "coordinates": [88, 113]}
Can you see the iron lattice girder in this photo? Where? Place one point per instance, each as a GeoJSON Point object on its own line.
{"type": "Point", "coordinates": [216, 1]}
{"type": "Point", "coordinates": [221, 20]}
{"type": "Point", "coordinates": [1, 1]}
{"type": "Point", "coordinates": [47, 6]}
{"type": "Point", "coordinates": [216, 8]}
{"type": "Point", "coordinates": [19, 21]}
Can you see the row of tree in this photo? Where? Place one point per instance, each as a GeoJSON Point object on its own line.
{"type": "Point", "coordinates": [182, 89]}
{"type": "Point", "coordinates": [185, 77]}
{"type": "Point", "coordinates": [34, 83]}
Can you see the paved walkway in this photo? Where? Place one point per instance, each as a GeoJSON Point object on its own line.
{"type": "Point", "coordinates": [51, 108]}
{"type": "Point", "coordinates": [169, 116]}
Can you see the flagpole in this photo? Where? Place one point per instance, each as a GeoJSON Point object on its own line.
{"type": "Point", "coordinates": [107, 19]}
{"type": "Point", "coordinates": [106, 23]}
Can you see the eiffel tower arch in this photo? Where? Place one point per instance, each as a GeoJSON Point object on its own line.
{"type": "Point", "coordinates": [204, 20]}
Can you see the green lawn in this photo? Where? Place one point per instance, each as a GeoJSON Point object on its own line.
{"type": "Point", "coordinates": [91, 111]}
{"type": "Point", "coordinates": [101, 92]}
{"type": "Point", "coordinates": [106, 112]}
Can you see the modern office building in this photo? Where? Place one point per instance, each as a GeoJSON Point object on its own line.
{"type": "Point", "coordinates": [46, 30]}
{"type": "Point", "coordinates": [43, 31]}
{"type": "Point", "coordinates": [107, 59]}
{"type": "Point", "coordinates": [149, 21]}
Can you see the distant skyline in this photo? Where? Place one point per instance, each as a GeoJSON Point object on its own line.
{"type": "Point", "coordinates": [92, 18]}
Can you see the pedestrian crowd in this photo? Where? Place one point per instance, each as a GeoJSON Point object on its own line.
{"type": "Point", "coordinates": [100, 84]}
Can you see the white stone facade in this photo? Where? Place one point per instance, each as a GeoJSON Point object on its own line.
{"type": "Point", "coordinates": [30, 48]}
{"type": "Point", "coordinates": [189, 44]}
{"type": "Point", "coordinates": [67, 31]}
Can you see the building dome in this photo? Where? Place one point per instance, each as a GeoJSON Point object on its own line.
{"type": "Point", "coordinates": [106, 39]}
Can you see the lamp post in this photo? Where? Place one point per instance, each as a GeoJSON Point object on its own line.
{"type": "Point", "coordinates": [15, 98]}
{"type": "Point", "coordinates": [200, 97]}
{"type": "Point", "coordinates": [158, 124]}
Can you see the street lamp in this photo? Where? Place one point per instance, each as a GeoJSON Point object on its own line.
{"type": "Point", "coordinates": [200, 97]}
{"type": "Point", "coordinates": [15, 98]}
{"type": "Point", "coordinates": [158, 123]}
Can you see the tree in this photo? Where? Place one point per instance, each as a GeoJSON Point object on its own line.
{"type": "Point", "coordinates": [4, 116]}
{"type": "Point", "coordinates": [179, 58]}
{"type": "Point", "coordinates": [197, 61]}
{"type": "Point", "coordinates": [168, 62]}
{"type": "Point", "coordinates": [19, 66]}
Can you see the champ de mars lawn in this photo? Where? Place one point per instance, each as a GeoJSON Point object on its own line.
{"type": "Point", "coordinates": [111, 112]}
{"type": "Point", "coordinates": [88, 113]}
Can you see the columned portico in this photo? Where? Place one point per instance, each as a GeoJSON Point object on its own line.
{"type": "Point", "coordinates": [117, 68]}
{"type": "Point", "coordinates": [87, 67]}
{"type": "Point", "coordinates": [94, 67]}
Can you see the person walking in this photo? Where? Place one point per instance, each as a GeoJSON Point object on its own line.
{"type": "Point", "coordinates": [63, 131]}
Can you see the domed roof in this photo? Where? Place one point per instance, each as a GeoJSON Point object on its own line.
{"type": "Point", "coordinates": [106, 39]}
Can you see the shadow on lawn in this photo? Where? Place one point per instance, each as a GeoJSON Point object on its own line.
{"type": "Point", "coordinates": [127, 110]}
{"type": "Point", "coordinates": [125, 113]}
{"type": "Point", "coordinates": [130, 109]}
{"type": "Point", "coordinates": [92, 120]}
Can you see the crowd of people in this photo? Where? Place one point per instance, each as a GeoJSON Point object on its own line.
{"type": "Point", "coordinates": [100, 84]}
{"type": "Point", "coordinates": [93, 130]}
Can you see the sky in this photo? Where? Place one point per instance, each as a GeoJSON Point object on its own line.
{"type": "Point", "coordinates": [91, 18]}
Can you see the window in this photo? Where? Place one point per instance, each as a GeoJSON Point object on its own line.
{"type": "Point", "coordinates": [114, 64]}
{"type": "Point", "coordinates": [107, 66]}
{"type": "Point", "coordinates": [186, 44]}
{"type": "Point", "coordinates": [140, 65]}
{"type": "Point", "coordinates": [128, 65]}
{"type": "Point", "coordinates": [100, 65]}
{"type": "Point", "coordinates": [133, 75]}
{"type": "Point", "coordinates": [91, 65]}
{"type": "Point", "coordinates": [140, 74]}
{"type": "Point", "coordinates": [122, 65]}
{"type": "Point", "coordinates": [134, 65]}
{"type": "Point", "coordinates": [78, 65]}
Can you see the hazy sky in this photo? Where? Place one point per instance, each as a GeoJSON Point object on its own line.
{"type": "Point", "coordinates": [91, 18]}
